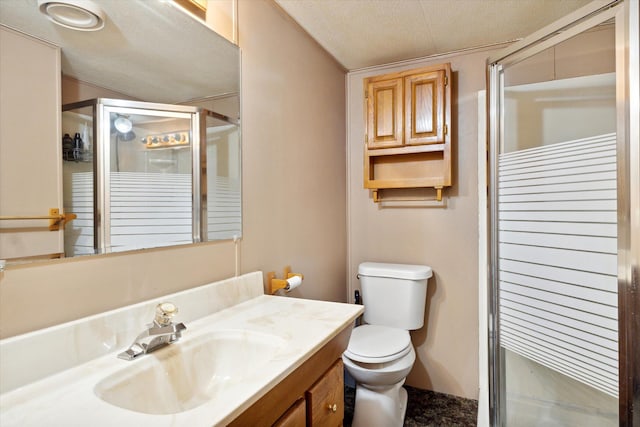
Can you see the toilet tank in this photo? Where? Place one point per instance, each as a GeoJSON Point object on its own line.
{"type": "Point", "coordinates": [394, 294]}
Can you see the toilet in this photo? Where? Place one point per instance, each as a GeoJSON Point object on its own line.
{"type": "Point", "coordinates": [380, 354]}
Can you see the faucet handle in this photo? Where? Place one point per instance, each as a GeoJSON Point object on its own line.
{"type": "Point", "coordinates": [165, 312]}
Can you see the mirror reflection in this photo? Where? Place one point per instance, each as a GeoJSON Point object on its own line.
{"type": "Point", "coordinates": [159, 165]}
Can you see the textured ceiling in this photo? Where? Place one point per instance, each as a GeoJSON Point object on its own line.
{"type": "Point", "coordinates": [363, 33]}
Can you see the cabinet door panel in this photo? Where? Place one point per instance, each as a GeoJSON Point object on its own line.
{"type": "Point", "coordinates": [384, 106]}
{"type": "Point", "coordinates": [325, 400]}
{"type": "Point", "coordinates": [424, 108]}
{"type": "Point", "coordinates": [296, 416]}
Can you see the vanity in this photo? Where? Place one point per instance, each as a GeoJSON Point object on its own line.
{"type": "Point", "coordinates": [245, 359]}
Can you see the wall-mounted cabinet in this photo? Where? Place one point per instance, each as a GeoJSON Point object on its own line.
{"type": "Point", "coordinates": [408, 139]}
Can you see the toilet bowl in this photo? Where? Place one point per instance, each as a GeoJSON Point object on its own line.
{"type": "Point", "coordinates": [380, 354]}
{"type": "Point", "coordinates": [379, 358]}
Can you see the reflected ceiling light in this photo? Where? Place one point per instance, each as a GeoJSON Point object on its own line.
{"type": "Point", "coordinates": [123, 124]}
{"type": "Point", "coordinates": [82, 15]}
{"type": "Point", "coordinates": [124, 128]}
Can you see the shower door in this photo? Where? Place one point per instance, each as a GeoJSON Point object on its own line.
{"type": "Point", "coordinates": [147, 197]}
{"type": "Point", "coordinates": [562, 191]}
{"type": "Point", "coordinates": [134, 178]}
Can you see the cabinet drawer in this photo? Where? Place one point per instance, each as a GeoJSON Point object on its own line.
{"type": "Point", "coordinates": [296, 416]}
{"type": "Point", "coordinates": [325, 399]}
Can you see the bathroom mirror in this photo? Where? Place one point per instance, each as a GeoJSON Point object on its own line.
{"type": "Point", "coordinates": [148, 51]}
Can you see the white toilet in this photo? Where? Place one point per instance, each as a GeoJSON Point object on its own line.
{"type": "Point", "coordinates": [380, 354]}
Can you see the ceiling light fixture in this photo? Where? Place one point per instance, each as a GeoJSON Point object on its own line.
{"type": "Point", "coordinates": [123, 124]}
{"type": "Point", "coordinates": [124, 128]}
{"type": "Point", "coordinates": [82, 15]}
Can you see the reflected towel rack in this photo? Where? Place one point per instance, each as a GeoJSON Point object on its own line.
{"type": "Point", "coordinates": [56, 219]}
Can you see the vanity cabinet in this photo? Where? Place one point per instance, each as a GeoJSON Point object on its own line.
{"type": "Point", "coordinates": [296, 416]}
{"type": "Point", "coordinates": [325, 400]}
{"type": "Point", "coordinates": [318, 383]}
{"type": "Point", "coordinates": [408, 121]}
{"type": "Point", "coordinates": [323, 404]}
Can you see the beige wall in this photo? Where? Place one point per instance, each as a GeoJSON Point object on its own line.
{"type": "Point", "coordinates": [293, 153]}
{"type": "Point", "coordinates": [31, 64]}
{"type": "Point", "coordinates": [293, 201]}
{"type": "Point", "coordinates": [74, 90]}
{"type": "Point", "coordinates": [539, 114]}
{"type": "Point", "coordinates": [220, 17]}
{"type": "Point", "coordinates": [585, 54]}
{"type": "Point", "coordinates": [572, 82]}
{"type": "Point", "coordinates": [444, 238]}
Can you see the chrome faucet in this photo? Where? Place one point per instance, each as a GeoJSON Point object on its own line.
{"type": "Point", "coordinates": [162, 331]}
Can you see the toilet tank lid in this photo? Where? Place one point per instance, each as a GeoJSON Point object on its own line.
{"type": "Point", "coordinates": [398, 271]}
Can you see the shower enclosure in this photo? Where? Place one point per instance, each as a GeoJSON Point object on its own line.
{"type": "Point", "coordinates": [142, 175]}
{"type": "Point", "coordinates": [563, 222]}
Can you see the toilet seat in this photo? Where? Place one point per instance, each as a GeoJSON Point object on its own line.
{"type": "Point", "coordinates": [377, 344]}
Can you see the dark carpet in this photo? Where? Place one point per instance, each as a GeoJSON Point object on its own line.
{"type": "Point", "coordinates": [426, 409]}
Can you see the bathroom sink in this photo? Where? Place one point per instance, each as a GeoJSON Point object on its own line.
{"type": "Point", "coordinates": [186, 374]}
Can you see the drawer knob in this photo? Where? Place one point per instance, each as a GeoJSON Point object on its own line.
{"type": "Point", "coordinates": [333, 408]}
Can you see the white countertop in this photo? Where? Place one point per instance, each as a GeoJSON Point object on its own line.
{"type": "Point", "coordinates": [67, 398]}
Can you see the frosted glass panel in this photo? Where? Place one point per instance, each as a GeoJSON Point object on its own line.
{"type": "Point", "coordinates": [560, 319]}
{"type": "Point", "coordinates": [150, 191]}
{"type": "Point", "coordinates": [557, 237]}
{"type": "Point", "coordinates": [224, 202]}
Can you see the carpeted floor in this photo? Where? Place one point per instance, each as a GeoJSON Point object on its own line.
{"type": "Point", "coordinates": [426, 409]}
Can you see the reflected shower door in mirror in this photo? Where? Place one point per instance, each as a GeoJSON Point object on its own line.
{"type": "Point", "coordinates": [132, 175]}
{"type": "Point", "coordinates": [223, 179]}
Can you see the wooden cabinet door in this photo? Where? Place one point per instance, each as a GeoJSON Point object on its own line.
{"type": "Point", "coordinates": [325, 399]}
{"type": "Point", "coordinates": [384, 113]}
{"type": "Point", "coordinates": [296, 416]}
{"type": "Point", "coordinates": [424, 108]}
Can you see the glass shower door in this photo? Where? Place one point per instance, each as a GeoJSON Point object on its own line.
{"type": "Point", "coordinates": [223, 181]}
{"type": "Point", "coordinates": [555, 123]}
{"type": "Point", "coordinates": [148, 166]}
{"type": "Point", "coordinates": [557, 237]}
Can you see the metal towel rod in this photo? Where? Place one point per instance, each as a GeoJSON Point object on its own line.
{"type": "Point", "coordinates": [56, 219]}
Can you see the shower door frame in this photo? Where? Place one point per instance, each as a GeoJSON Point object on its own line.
{"type": "Point", "coordinates": [102, 108]}
{"type": "Point", "coordinates": [106, 107]}
{"type": "Point", "coordinates": [627, 44]}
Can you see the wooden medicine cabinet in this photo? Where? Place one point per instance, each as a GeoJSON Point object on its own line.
{"type": "Point", "coordinates": [408, 132]}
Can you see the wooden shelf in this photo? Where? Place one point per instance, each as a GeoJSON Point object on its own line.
{"type": "Point", "coordinates": [406, 149]}
{"type": "Point", "coordinates": [405, 183]}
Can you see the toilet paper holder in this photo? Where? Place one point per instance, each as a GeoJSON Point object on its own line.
{"type": "Point", "coordinates": [274, 284]}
